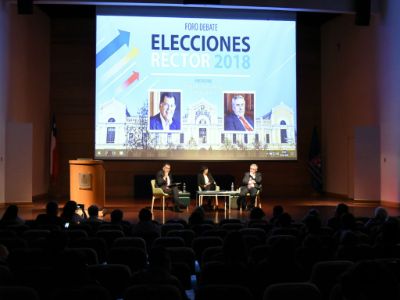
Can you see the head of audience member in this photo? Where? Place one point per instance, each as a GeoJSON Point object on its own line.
{"type": "Point", "coordinates": [52, 208]}
{"type": "Point", "coordinates": [257, 214]}
{"type": "Point", "coordinates": [314, 212]}
{"type": "Point", "coordinates": [341, 209]}
{"type": "Point", "coordinates": [197, 216]}
{"type": "Point", "coordinates": [381, 214]}
{"type": "Point", "coordinates": [348, 222]}
{"type": "Point", "coordinates": [234, 248]}
{"type": "Point", "coordinates": [277, 210]}
{"type": "Point", "coordinates": [348, 238]}
{"type": "Point", "coordinates": [238, 105]}
{"type": "Point", "coordinates": [93, 211]}
{"type": "Point", "coordinates": [11, 214]}
{"type": "Point", "coordinates": [117, 216]}
{"type": "Point", "coordinates": [145, 215]}
{"type": "Point", "coordinates": [313, 223]}
{"type": "Point", "coordinates": [159, 258]}
{"type": "Point", "coordinates": [369, 280]}
{"type": "Point", "coordinates": [204, 170]}
{"type": "Point", "coordinates": [69, 210]}
{"type": "Point", "coordinates": [284, 220]}
{"type": "Point", "coordinates": [167, 106]}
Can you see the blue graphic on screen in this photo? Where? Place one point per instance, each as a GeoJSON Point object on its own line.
{"type": "Point", "coordinates": [195, 88]}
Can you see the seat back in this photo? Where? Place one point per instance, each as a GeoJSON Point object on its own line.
{"type": "Point", "coordinates": [114, 277]}
{"type": "Point", "coordinates": [222, 291]}
{"type": "Point", "coordinates": [325, 274]}
{"type": "Point", "coordinates": [157, 191]}
{"type": "Point", "coordinates": [300, 291]}
{"type": "Point", "coordinates": [152, 291]}
{"type": "Point", "coordinates": [153, 185]}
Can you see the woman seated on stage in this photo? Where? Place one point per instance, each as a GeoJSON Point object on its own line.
{"type": "Point", "coordinates": [206, 183]}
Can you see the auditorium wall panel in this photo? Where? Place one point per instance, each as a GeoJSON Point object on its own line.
{"type": "Point", "coordinates": [28, 101]}
{"type": "Point", "coordinates": [349, 96]}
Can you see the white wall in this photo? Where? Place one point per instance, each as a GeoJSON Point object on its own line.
{"type": "Point", "coordinates": [349, 96]}
{"type": "Point", "coordinates": [388, 78]}
{"type": "Point", "coordinates": [19, 163]}
{"type": "Point", "coordinates": [3, 95]}
{"type": "Point", "coordinates": [361, 87]}
{"type": "Point", "coordinates": [28, 98]}
{"type": "Point", "coordinates": [367, 164]}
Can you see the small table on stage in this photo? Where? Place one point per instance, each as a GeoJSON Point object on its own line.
{"type": "Point", "coordinates": [225, 194]}
{"type": "Point", "coordinates": [184, 199]}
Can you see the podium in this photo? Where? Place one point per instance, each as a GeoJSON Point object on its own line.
{"type": "Point", "coordinates": [87, 182]}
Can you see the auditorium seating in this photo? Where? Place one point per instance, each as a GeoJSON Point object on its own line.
{"type": "Point", "coordinates": [281, 262]}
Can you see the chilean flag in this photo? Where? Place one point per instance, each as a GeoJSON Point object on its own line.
{"type": "Point", "coordinates": [53, 151]}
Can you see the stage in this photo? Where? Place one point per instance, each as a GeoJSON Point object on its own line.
{"type": "Point", "coordinates": [296, 207]}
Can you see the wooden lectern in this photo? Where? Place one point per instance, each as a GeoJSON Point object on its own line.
{"type": "Point", "coordinates": [87, 182]}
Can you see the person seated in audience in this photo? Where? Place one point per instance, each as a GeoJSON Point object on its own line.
{"type": "Point", "coordinates": [312, 222]}
{"type": "Point", "coordinates": [197, 217]}
{"type": "Point", "coordinates": [146, 224]}
{"type": "Point", "coordinates": [158, 271]}
{"type": "Point", "coordinates": [368, 280]}
{"type": "Point", "coordinates": [117, 218]}
{"type": "Point", "coordinates": [335, 221]}
{"type": "Point", "coordinates": [257, 215]}
{"type": "Point", "coordinates": [69, 214]}
{"type": "Point", "coordinates": [276, 212]}
{"type": "Point", "coordinates": [284, 220]}
{"type": "Point", "coordinates": [10, 217]}
{"type": "Point", "coordinates": [279, 266]}
{"type": "Point", "coordinates": [380, 217]}
{"type": "Point", "coordinates": [93, 218]}
{"type": "Point", "coordinates": [389, 234]}
{"type": "Point", "coordinates": [51, 216]}
{"type": "Point", "coordinates": [234, 249]}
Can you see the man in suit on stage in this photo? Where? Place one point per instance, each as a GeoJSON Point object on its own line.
{"type": "Point", "coordinates": [165, 182]}
{"type": "Point", "coordinates": [237, 119]}
{"type": "Point", "coordinates": [165, 120]}
{"type": "Point", "coordinates": [251, 183]}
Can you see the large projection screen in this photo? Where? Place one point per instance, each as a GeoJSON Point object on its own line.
{"type": "Point", "coordinates": [187, 87]}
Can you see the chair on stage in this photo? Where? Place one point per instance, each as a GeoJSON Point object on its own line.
{"type": "Point", "coordinates": [217, 188]}
{"type": "Point", "coordinates": [258, 197]}
{"type": "Point", "coordinates": [158, 193]}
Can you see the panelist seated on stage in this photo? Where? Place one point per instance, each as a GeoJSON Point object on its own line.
{"type": "Point", "coordinates": [238, 119]}
{"type": "Point", "coordinates": [165, 181]}
{"type": "Point", "coordinates": [206, 182]}
{"type": "Point", "coordinates": [251, 184]}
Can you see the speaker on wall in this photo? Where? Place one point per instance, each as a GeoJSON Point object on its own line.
{"type": "Point", "coordinates": [363, 12]}
{"type": "Point", "coordinates": [25, 7]}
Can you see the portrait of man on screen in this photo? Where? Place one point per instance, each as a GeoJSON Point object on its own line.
{"type": "Point", "coordinates": [239, 112]}
{"type": "Point", "coordinates": [167, 115]}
